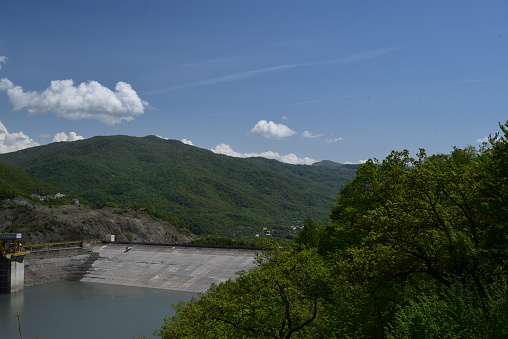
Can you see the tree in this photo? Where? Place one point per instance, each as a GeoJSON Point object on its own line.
{"type": "Point", "coordinates": [417, 247]}
{"type": "Point", "coordinates": [410, 227]}
{"type": "Point", "coordinates": [309, 234]}
{"type": "Point", "coordinates": [281, 298]}
{"type": "Point", "coordinates": [418, 217]}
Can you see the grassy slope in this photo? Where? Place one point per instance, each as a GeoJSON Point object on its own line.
{"type": "Point", "coordinates": [213, 194]}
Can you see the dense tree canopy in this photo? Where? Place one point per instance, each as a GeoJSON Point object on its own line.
{"type": "Point", "coordinates": [417, 248]}
{"type": "Point", "coordinates": [281, 298]}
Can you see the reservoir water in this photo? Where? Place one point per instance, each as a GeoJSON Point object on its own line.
{"type": "Point", "coordinates": [84, 310]}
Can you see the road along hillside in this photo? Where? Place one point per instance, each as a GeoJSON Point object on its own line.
{"type": "Point", "coordinates": [191, 269]}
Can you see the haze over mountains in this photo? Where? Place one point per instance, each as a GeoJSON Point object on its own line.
{"type": "Point", "coordinates": [211, 193]}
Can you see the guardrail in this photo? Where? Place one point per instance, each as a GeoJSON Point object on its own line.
{"type": "Point", "coordinates": [57, 245]}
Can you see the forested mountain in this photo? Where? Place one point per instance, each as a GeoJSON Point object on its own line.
{"type": "Point", "coordinates": [212, 193]}
{"type": "Point", "coordinates": [54, 220]}
{"type": "Point", "coordinates": [14, 182]}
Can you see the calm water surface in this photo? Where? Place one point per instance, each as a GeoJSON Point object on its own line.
{"type": "Point", "coordinates": [82, 310]}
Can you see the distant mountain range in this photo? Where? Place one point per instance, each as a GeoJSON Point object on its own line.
{"type": "Point", "coordinates": [212, 193]}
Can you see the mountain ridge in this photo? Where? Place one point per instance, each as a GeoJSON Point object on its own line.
{"type": "Point", "coordinates": [212, 193]}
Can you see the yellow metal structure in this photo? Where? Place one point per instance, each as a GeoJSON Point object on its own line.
{"type": "Point", "coordinates": [10, 245]}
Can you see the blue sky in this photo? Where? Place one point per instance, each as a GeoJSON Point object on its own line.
{"type": "Point", "coordinates": [298, 81]}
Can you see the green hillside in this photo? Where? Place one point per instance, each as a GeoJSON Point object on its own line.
{"type": "Point", "coordinates": [14, 182]}
{"type": "Point", "coordinates": [214, 194]}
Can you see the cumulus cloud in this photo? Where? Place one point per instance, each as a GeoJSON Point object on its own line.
{"type": "Point", "coordinates": [310, 135]}
{"type": "Point", "coordinates": [3, 60]}
{"type": "Point", "coordinates": [11, 142]}
{"type": "Point", "coordinates": [271, 130]}
{"type": "Point", "coordinates": [482, 140]}
{"type": "Point", "coordinates": [288, 159]}
{"type": "Point", "coordinates": [88, 100]}
{"type": "Point", "coordinates": [187, 142]}
{"type": "Point", "coordinates": [227, 150]}
{"type": "Point", "coordinates": [64, 137]}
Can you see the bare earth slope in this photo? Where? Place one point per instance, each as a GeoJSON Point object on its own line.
{"type": "Point", "coordinates": [42, 224]}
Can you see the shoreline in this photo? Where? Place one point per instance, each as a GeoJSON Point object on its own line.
{"type": "Point", "coordinates": [43, 268]}
{"type": "Point", "coordinates": [179, 268]}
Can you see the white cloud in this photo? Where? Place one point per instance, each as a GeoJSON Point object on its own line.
{"type": "Point", "coordinates": [260, 71]}
{"type": "Point", "coordinates": [355, 163]}
{"type": "Point", "coordinates": [88, 100]}
{"type": "Point", "coordinates": [272, 130]}
{"type": "Point", "coordinates": [64, 137]}
{"type": "Point", "coordinates": [309, 135]}
{"type": "Point", "coordinates": [3, 60]}
{"type": "Point", "coordinates": [227, 150]}
{"type": "Point", "coordinates": [11, 142]}
{"type": "Point", "coordinates": [332, 140]}
{"type": "Point", "coordinates": [288, 159]}
{"type": "Point", "coordinates": [227, 78]}
{"type": "Point", "coordinates": [185, 141]}
{"type": "Point", "coordinates": [482, 140]}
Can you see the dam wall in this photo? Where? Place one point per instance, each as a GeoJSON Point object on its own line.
{"type": "Point", "coordinates": [180, 268]}
{"type": "Point", "coordinates": [12, 274]}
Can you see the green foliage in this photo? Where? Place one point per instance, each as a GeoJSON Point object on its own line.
{"type": "Point", "coordinates": [14, 182]}
{"type": "Point", "coordinates": [417, 248]}
{"type": "Point", "coordinates": [210, 193]}
{"type": "Point", "coordinates": [409, 228]}
{"type": "Point", "coordinates": [228, 242]}
{"type": "Point", "coordinates": [281, 298]}
{"type": "Point", "coordinates": [18, 317]}
{"type": "Point", "coordinates": [454, 312]}
{"type": "Point", "coordinates": [309, 234]}
{"type": "Point", "coordinates": [129, 237]}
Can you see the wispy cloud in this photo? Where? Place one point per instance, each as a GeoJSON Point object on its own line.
{"type": "Point", "coordinates": [3, 60]}
{"type": "Point", "coordinates": [260, 71]}
{"type": "Point", "coordinates": [309, 135]}
{"type": "Point", "coordinates": [357, 57]}
{"type": "Point", "coordinates": [332, 140]}
{"type": "Point", "coordinates": [225, 78]}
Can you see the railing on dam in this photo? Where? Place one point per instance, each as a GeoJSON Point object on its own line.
{"type": "Point", "coordinates": [88, 244]}
{"type": "Point", "coordinates": [61, 245]}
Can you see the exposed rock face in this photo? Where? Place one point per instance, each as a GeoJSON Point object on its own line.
{"type": "Point", "coordinates": [42, 223]}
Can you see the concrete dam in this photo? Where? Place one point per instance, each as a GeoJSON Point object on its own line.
{"type": "Point", "coordinates": [181, 268]}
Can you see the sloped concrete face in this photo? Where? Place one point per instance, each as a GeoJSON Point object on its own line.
{"type": "Point", "coordinates": [191, 269]}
